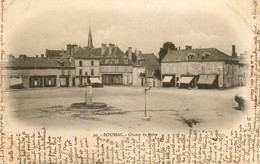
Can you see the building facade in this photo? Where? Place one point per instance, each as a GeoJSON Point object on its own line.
{"type": "Point", "coordinates": [144, 70]}
{"type": "Point", "coordinates": [37, 72]}
{"type": "Point", "coordinates": [87, 66]}
{"type": "Point", "coordinates": [115, 67]}
{"type": "Point", "coordinates": [203, 68]}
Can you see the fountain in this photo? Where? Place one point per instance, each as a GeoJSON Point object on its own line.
{"type": "Point", "coordinates": [89, 105]}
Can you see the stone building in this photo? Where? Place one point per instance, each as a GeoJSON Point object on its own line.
{"type": "Point", "coordinates": [115, 67]}
{"type": "Point", "coordinates": [86, 65]}
{"type": "Point", "coordinates": [37, 72]}
{"type": "Point", "coordinates": [144, 69]}
{"type": "Point", "coordinates": [243, 68]}
{"type": "Point", "coordinates": [203, 68]}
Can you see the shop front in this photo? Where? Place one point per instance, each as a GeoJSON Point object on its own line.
{"type": "Point", "coordinates": [112, 79]}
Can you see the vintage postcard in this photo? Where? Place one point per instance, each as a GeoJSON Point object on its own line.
{"type": "Point", "coordinates": [137, 82]}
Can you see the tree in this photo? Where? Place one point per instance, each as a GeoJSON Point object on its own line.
{"type": "Point", "coordinates": [164, 50]}
{"type": "Point", "coordinates": [157, 74]}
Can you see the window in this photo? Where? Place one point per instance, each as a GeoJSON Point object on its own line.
{"type": "Point", "coordinates": [61, 64]}
{"type": "Point", "coordinates": [116, 61]}
{"type": "Point", "coordinates": [205, 55]}
{"type": "Point", "coordinates": [80, 71]}
{"type": "Point", "coordinates": [80, 63]}
{"type": "Point", "coordinates": [35, 81]}
{"type": "Point", "coordinates": [190, 56]}
{"type": "Point", "coordinates": [86, 73]}
{"type": "Point", "coordinates": [107, 61]}
{"type": "Point", "coordinates": [92, 72]}
{"type": "Point", "coordinates": [126, 61]}
{"type": "Point", "coordinates": [50, 81]}
{"type": "Point", "coordinates": [92, 63]}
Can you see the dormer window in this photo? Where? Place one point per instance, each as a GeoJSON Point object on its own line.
{"type": "Point", "coordinates": [61, 63]}
{"type": "Point", "coordinates": [205, 55]}
{"type": "Point", "coordinates": [190, 56]}
{"type": "Point", "coordinates": [126, 61]}
{"type": "Point", "coordinates": [107, 60]}
{"type": "Point", "coordinates": [116, 61]}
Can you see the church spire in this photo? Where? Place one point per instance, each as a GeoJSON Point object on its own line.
{"type": "Point", "coordinates": [90, 41]}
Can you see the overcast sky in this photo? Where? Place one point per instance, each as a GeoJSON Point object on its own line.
{"type": "Point", "coordinates": [33, 26]}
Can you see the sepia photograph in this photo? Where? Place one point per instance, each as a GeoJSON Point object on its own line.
{"type": "Point", "coordinates": [127, 68]}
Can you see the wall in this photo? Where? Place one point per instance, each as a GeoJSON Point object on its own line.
{"type": "Point", "coordinates": [115, 69]}
{"type": "Point", "coordinates": [26, 73]}
{"type": "Point", "coordinates": [86, 67]}
{"type": "Point", "coordinates": [194, 68]}
{"type": "Point", "coordinates": [136, 73]}
{"type": "Point", "coordinates": [126, 72]}
{"type": "Point", "coordinates": [231, 74]}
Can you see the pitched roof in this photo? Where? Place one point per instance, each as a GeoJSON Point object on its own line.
{"type": "Point", "coordinates": [80, 53]}
{"type": "Point", "coordinates": [96, 51]}
{"type": "Point", "coordinates": [36, 62]}
{"type": "Point", "coordinates": [147, 60]}
{"type": "Point", "coordinates": [181, 55]}
{"type": "Point", "coordinates": [54, 54]}
{"type": "Point", "coordinates": [115, 57]}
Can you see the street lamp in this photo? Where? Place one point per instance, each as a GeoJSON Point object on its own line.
{"type": "Point", "coordinates": [145, 118]}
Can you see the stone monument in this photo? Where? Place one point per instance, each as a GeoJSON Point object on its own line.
{"type": "Point", "coordinates": [89, 105]}
{"type": "Point", "coordinates": [88, 95]}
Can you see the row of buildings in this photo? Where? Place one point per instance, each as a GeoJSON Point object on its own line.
{"type": "Point", "coordinates": [203, 68]}
{"type": "Point", "coordinates": [109, 65]}
{"type": "Point", "coordinates": [77, 66]}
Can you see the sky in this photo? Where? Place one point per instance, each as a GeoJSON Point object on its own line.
{"type": "Point", "coordinates": [31, 27]}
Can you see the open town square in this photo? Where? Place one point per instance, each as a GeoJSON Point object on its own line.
{"type": "Point", "coordinates": [170, 109]}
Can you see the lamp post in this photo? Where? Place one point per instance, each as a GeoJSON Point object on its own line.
{"type": "Point", "coordinates": [145, 118]}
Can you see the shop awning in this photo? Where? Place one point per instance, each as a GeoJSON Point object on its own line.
{"type": "Point", "coordinates": [202, 79]}
{"type": "Point", "coordinates": [185, 80]}
{"type": "Point", "coordinates": [167, 79]}
{"type": "Point", "coordinates": [15, 81]}
{"type": "Point", "coordinates": [211, 79]}
{"type": "Point", "coordinates": [206, 79]}
{"type": "Point", "coordinates": [94, 80]}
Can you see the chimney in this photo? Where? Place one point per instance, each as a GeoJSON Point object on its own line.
{"type": "Point", "coordinates": [188, 47]}
{"type": "Point", "coordinates": [234, 54]}
{"type": "Point", "coordinates": [71, 51]}
{"type": "Point", "coordinates": [129, 53]}
{"type": "Point", "coordinates": [103, 48]}
{"type": "Point", "coordinates": [110, 48]}
{"type": "Point", "coordinates": [70, 48]}
{"type": "Point", "coordinates": [42, 55]}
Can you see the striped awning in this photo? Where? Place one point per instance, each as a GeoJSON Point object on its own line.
{"type": "Point", "coordinates": [167, 79]}
{"type": "Point", "coordinates": [202, 79]}
{"type": "Point", "coordinates": [94, 80]}
{"type": "Point", "coordinates": [206, 79]}
{"type": "Point", "coordinates": [15, 81]}
{"type": "Point", "coordinates": [185, 80]}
